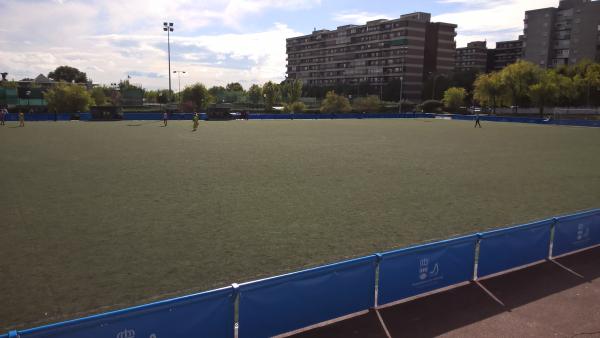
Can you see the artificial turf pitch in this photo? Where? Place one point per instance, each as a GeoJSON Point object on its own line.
{"type": "Point", "coordinates": [100, 216]}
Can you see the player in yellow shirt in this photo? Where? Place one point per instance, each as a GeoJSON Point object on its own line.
{"type": "Point", "coordinates": [196, 119]}
{"type": "Point", "coordinates": [21, 119]}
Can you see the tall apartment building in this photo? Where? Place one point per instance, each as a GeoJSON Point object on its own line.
{"type": "Point", "coordinates": [506, 53]}
{"type": "Point", "coordinates": [563, 35]}
{"type": "Point", "coordinates": [472, 57]}
{"type": "Point", "coordinates": [411, 47]}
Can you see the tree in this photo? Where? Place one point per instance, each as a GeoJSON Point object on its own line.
{"type": "Point", "coordinates": [334, 103]}
{"type": "Point", "coordinates": [126, 85]}
{"type": "Point", "coordinates": [68, 98]}
{"type": "Point", "coordinates": [218, 92]}
{"type": "Point", "coordinates": [68, 74]}
{"type": "Point", "coordinates": [369, 104]}
{"type": "Point", "coordinates": [197, 96]}
{"type": "Point", "coordinates": [255, 94]}
{"type": "Point", "coordinates": [592, 80]}
{"type": "Point", "coordinates": [546, 90]}
{"type": "Point", "coordinates": [98, 96]}
{"type": "Point", "coordinates": [295, 107]}
{"type": "Point", "coordinates": [234, 87]}
{"type": "Point", "coordinates": [291, 90]}
{"type": "Point", "coordinates": [272, 94]}
{"type": "Point", "coordinates": [489, 89]}
{"type": "Point", "coordinates": [518, 77]}
{"type": "Point", "coordinates": [8, 84]}
{"type": "Point", "coordinates": [454, 98]}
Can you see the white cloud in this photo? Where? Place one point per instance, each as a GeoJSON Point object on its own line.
{"type": "Point", "coordinates": [494, 21]}
{"type": "Point", "coordinates": [108, 39]}
{"type": "Point", "coordinates": [358, 17]}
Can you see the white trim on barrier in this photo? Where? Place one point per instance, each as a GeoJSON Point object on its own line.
{"type": "Point", "coordinates": [576, 251]}
{"type": "Point", "coordinates": [322, 324]}
{"type": "Point", "coordinates": [517, 268]}
{"type": "Point", "coordinates": [422, 295]}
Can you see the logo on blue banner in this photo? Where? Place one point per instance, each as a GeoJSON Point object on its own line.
{"type": "Point", "coordinates": [126, 334]}
{"type": "Point", "coordinates": [583, 232]}
{"type": "Point", "coordinates": [429, 271]}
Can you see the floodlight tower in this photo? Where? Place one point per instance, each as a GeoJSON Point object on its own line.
{"type": "Point", "coordinates": [179, 72]}
{"type": "Point", "coordinates": [168, 27]}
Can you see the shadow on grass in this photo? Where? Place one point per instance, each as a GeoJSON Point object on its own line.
{"type": "Point", "coordinates": [142, 124]}
{"type": "Point", "coordinates": [447, 311]}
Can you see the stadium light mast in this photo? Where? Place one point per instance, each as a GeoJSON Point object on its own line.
{"type": "Point", "coordinates": [179, 72]}
{"type": "Point", "coordinates": [402, 81]}
{"type": "Point", "coordinates": [168, 27]}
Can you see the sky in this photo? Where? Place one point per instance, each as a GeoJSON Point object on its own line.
{"type": "Point", "coordinates": [214, 41]}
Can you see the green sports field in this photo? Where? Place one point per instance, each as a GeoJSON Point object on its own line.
{"type": "Point", "coordinates": [99, 216]}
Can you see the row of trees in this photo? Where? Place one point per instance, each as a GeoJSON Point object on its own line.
{"type": "Point", "coordinates": [68, 97]}
{"type": "Point", "coordinates": [526, 84]}
{"type": "Point", "coordinates": [197, 96]}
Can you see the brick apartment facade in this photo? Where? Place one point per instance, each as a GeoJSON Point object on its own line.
{"type": "Point", "coordinates": [473, 57]}
{"type": "Point", "coordinates": [563, 35]}
{"type": "Point", "coordinates": [411, 47]}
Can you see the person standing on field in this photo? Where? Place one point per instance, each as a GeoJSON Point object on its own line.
{"type": "Point", "coordinates": [21, 119]}
{"type": "Point", "coordinates": [477, 122]}
{"type": "Point", "coordinates": [165, 118]}
{"type": "Point", "coordinates": [196, 119]}
{"type": "Point", "coordinates": [3, 114]}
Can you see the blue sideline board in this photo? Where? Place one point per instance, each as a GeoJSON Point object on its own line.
{"type": "Point", "coordinates": [408, 272]}
{"type": "Point", "coordinates": [208, 314]}
{"type": "Point", "coordinates": [508, 248]}
{"type": "Point", "coordinates": [289, 302]}
{"type": "Point", "coordinates": [575, 232]}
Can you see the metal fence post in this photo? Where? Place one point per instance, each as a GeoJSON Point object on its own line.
{"type": "Point", "coordinates": [236, 309]}
{"type": "Point", "coordinates": [476, 258]}
{"type": "Point", "coordinates": [552, 234]}
{"type": "Point", "coordinates": [377, 262]}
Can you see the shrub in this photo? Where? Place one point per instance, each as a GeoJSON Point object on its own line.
{"type": "Point", "coordinates": [295, 107]}
{"type": "Point", "coordinates": [371, 104]}
{"type": "Point", "coordinates": [432, 106]}
{"type": "Point", "coordinates": [334, 103]}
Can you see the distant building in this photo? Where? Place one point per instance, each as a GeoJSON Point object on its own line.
{"type": "Point", "coordinates": [473, 57]}
{"type": "Point", "coordinates": [506, 53]}
{"type": "Point", "coordinates": [563, 35]}
{"type": "Point", "coordinates": [381, 51]}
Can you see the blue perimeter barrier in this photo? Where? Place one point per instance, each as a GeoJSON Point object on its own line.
{"type": "Point", "coordinates": [534, 120]}
{"type": "Point", "coordinates": [297, 300]}
{"type": "Point", "coordinates": [290, 302]}
{"type": "Point", "coordinates": [39, 117]}
{"type": "Point", "coordinates": [412, 271]}
{"type": "Point", "coordinates": [505, 249]}
{"type": "Point", "coordinates": [306, 116]}
{"type": "Point", "coordinates": [576, 232]}
{"type": "Point", "coordinates": [208, 314]}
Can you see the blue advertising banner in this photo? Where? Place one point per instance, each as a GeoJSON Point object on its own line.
{"type": "Point", "coordinates": [576, 232]}
{"type": "Point", "coordinates": [208, 314]}
{"type": "Point", "coordinates": [512, 247]}
{"type": "Point", "coordinates": [286, 303]}
{"type": "Point", "coordinates": [415, 270]}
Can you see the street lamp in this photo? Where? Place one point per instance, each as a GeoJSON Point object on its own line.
{"type": "Point", "coordinates": [28, 93]}
{"type": "Point", "coordinates": [401, 93]}
{"type": "Point", "coordinates": [435, 78]}
{"type": "Point", "coordinates": [179, 72]}
{"type": "Point", "coordinates": [168, 27]}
